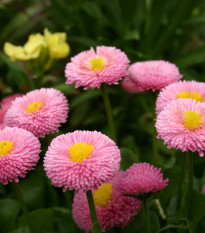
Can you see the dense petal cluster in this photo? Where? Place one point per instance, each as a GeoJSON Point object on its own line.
{"type": "Point", "coordinates": [182, 89]}
{"type": "Point", "coordinates": [5, 104]}
{"type": "Point", "coordinates": [181, 125]}
{"type": "Point", "coordinates": [90, 69]}
{"type": "Point", "coordinates": [153, 75]}
{"type": "Point", "coordinates": [141, 178]}
{"type": "Point", "coordinates": [40, 111]}
{"type": "Point", "coordinates": [130, 86]}
{"type": "Point", "coordinates": [120, 211]}
{"type": "Point", "coordinates": [81, 160]}
{"type": "Point", "coordinates": [19, 153]}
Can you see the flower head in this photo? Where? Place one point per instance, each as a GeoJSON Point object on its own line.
{"type": "Point", "coordinates": [182, 89]}
{"type": "Point", "coordinates": [81, 160]}
{"type": "Point", "coordinates": [31, 49]}
{"type": "Point", "coordinates": [139, 179]}
{"type": "Point", "coordinates": [203, 189]}
{"type": "Point", "coordinates": [57, 46]}
{"type": "Point", "coordinates": [153, 75]}
{"type": "Point", "coordinates": [181, 125]}
{"type": "Point", "coordinates": [40, 111]}
{"type": "Point", "coordinates": [130, 86]}
{"type": "Point", "coordinates": [16, 156]}
{"type": "Point", "coordinates": [90, 69]}
{"type": "Point", "coordinates": [5, 104]}
{"type": "Point", "coordinates": [112, 208]}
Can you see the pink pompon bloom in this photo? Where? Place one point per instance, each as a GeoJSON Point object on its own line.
{"type": "Point", "coordinates": [90, 69]}
{"type": "Point", "coordinates": [153, 75]}
{"type": "Point", "coordinates": [112, 208]}
{"type": "Point", "coordinates": [203, 189]}
{"type": "Point", "coordinates": [130, 86]}
{"type": "Point", "coordinates": [19, 153]}
{"type": "Point", "coordinates": [182, 89]}
{"type": "Point", "coordinates": [5, 104]}
{"type": "Point", "coordinates": [81, 160]}
{"type": "Point", "coordinates": [181, 124]}
{"type": "Point", "coordinates": [40, 111]}
{"type": "Point", "coordinates": [139, 179]}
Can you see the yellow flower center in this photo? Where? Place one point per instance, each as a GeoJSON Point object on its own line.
{"type": "Point", "coordinates": [80, 151]}
{"type": "Point", "coordinates": [192, 120]}
{"type": "Point", "coordinates": [190, 94]}
{"type": "Point", "coordinates": [102, 195]}
{"type": "Point", "coordinates": [96, 64]}
{"type": "Point", "coordinates": [5, 147]}
{"type": "Point", "coordinates": [34, 107]}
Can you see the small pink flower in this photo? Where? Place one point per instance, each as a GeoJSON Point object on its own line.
{"type": "Point", "coordinates": [19, 153]}
{"type": "Point", "coordinates": [40, 111]}
{"type": "Point", "coordinates": [90, 69]}
{"type": "Point", "coordinates": [130, 86]}
{"type": "Point", "coordinates": [153, 75]}
{"type": "Point", "coordinates": [181, 125]}
{"type": "Point", "coordinates": [182, 89]}
{"type": "Point", "coordinates": [5, 104]}
{"type": "Point", "coordinates": [117, 210]}
{"type": "Point", "coordinates": [140, 178]}
{"type": "Point", "coordinates": [203, 189]}
{"type": "Point", "coordinates": [81, 160]}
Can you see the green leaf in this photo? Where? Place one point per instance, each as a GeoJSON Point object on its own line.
{"type": "Point", "coordinates": [42, 220]}
{"type": "Point", "coordinates": [9, 210]}
{"type": "Point", "coordinates": [127, 158]}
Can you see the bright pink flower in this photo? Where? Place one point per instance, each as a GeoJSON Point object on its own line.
{"type": "Point", "coordinates": [117, 210]}
{"type": "Point", "coordinates": [40, 111]}
{"type": "Point", "coordinates": [181, 125]}
{"type": "Point", "coordinates": [81, 160]}
{"type": "Point", "coordinates": [153, 75]}
{"type": "Point", "coordinates": [5, 104]}
{"type": "Point", "coordinates": [140, 178]}
{"type": "Point", "coordinates": [90, 69]}
{"type": "Point", "coordinates": [19, 153]}
{"type": "Point", "coordinates": [182, 89]}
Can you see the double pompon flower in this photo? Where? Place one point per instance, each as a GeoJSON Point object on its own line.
{"type": "Point", "coordinates": [90, 69]}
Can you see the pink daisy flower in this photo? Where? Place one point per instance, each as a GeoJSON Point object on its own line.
{"type": "Point", "coordinates": [130, 86]}
{"type": "Point", "coordinates": [81, 160]}
{"type": "Point", "coordinates": [181, 125]}
{"type": "Point", "coordinates": [140, 178]}
{"type": "Point", "coordinates": [112, 208]}
{"type": "Point", "coordinates": [153, 75]}
{"type": "Point", "coordinates": [19, 153]}
{"type": "Point", "coordinates": [40, 111]}
{"type": "Point", "coordinates": [5, 104]}
{"type": "Point", "coordinates": [182, 89]}
{"type": "Point", "coordinates": [90, 69]}
{"type": "Point", "coordinates": [203, 189]}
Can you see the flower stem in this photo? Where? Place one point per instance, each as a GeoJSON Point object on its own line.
{"type": "Point", "coordinates": [146, 213]}
{"type": "Point", "coordinates": [96, 226]}
{"type": "Point", "coordinates": [23, 205]}
{"type": "Point", "coordinates": [189, 157]}
{"type": "Point", "coordinates": [109, 112]}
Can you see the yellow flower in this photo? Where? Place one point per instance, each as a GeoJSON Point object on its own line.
{"type": "Point", "coordinates": [31, 49]}
{"type": "Point", "coordinates": [56, 42]}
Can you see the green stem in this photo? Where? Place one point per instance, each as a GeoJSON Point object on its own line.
{"type": "Point", "coordinates": [183, 173]}
{"type": "Point", "coordinates": [109, 113]}
{"type": "Point", "coordinates": [23, 205]}
{"type": "Point", "coordinates": [189, 158]}
{"type": "Point", "coordinates": [148, 4]}
{"type": "Point", "coordinates": [96, 226]}
{"type": "Point", "coordinates": [69, 197]}
{"type": "Point", "coordinates": [146, 213]}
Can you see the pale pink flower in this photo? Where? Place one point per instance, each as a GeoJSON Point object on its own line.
{"type": "Point", "coordinates": [130, 86]}
{"type": "Point", "coordinates": [181, 125]}
{"type": "Point", "coordinates": [40, 111]}
{"type": "Point", "coordinates": [203, 189]}
{"type": "Point", "coordinates": [118, 210]}
{"type": "Point", "coordinates": [153, 75]}
{"type": "Point", "coordinates": [81, 160]}
{"type": "Point", "coordinates": [90, 69]}
{"type": "Point", "coordinates": [19, 153]}
{"type": "Point", "coordinates": [5, 104]}
{"type": "Point", "coordinates": [139, 179]}
{"type": "Point", "coordinates": [182, 89]}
